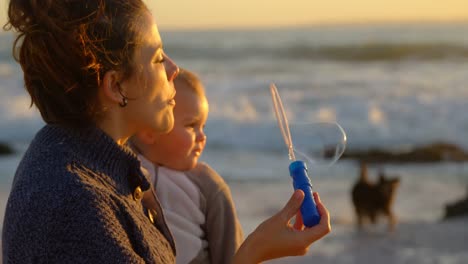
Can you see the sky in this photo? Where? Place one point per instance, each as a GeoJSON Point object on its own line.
{"type": "Point", "coordinates": [206, 14]}
{"type": "Point", "coordinates": [267, 13]}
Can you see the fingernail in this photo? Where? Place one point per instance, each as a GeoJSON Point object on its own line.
{"type": "Point", "coordinates": [297, 195]}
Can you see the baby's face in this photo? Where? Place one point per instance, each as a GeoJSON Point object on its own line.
{"type": "Point", "coordinates": [181, 148]}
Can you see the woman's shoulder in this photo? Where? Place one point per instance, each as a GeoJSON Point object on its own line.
{"type": "Point", "coordinates": [55, 177]}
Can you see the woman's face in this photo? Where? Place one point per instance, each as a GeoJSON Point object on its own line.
{"type": "Point", "coordinates": [150, 88]}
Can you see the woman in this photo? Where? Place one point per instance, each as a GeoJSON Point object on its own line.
{"type": "Point", "coordinates": [97, 72]}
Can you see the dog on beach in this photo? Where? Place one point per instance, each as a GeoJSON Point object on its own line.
{"type": "Point", "coordinates": [372, 199]}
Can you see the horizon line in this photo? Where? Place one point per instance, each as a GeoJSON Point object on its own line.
{"type": "Point", "coordinates": [421, 22]}
{"type": "Point", "coordinates": [163, 27]}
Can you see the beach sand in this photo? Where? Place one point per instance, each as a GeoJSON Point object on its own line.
{"type": "Point", "coordinates": [421, 236]}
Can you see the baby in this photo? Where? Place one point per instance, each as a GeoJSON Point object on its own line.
{"type": "Point", "coordinates": [196, 201]}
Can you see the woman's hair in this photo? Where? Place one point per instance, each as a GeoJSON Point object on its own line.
{"type": "Point", "coordinates": [191, 80]}
{"type": "Point", "coordinates": [66, 46]}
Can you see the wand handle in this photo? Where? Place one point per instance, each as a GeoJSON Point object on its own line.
{"type": "Point", "coordinates": [310, 214]}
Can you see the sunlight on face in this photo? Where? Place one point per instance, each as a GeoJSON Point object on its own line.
{"type": "Point", "coordinates": [151, 86]}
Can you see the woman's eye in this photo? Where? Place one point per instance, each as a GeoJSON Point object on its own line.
{"type": "Point", "coordinates": [160, 59]}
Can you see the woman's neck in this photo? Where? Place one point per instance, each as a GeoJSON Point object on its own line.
{"type": "Point", "coordinates": [116, 127]}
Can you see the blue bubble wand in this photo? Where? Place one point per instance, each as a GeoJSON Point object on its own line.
{"type": "Point", "coordinates": [297, 168]}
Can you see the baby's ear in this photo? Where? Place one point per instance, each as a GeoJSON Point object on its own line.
{"type": "Point", "coordinates": [146, 137]}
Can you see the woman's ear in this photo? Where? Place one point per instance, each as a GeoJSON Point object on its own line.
{"type": "Point", "coordinates": [110, 88]}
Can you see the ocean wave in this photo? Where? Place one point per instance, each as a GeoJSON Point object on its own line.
{"type": "Point", "coordinates": [381, 52]}
{"type": "Point", "coordinates": [363, 52]}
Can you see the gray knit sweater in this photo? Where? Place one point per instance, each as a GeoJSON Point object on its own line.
{"type": "Point", "coordinates": [73, 201]}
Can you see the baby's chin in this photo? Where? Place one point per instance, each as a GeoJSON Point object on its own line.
{"type": "Point", "coordinates": [188, 165]}
{"type": "Point", "coordinates": [193, 164]}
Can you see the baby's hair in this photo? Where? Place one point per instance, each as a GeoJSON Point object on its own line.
{"type": "Point", "coordinates": [191, 80]}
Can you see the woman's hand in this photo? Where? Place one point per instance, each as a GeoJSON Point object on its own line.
{"type": "Point", "coordinates": [276, 237]}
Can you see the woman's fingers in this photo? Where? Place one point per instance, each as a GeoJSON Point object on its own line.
{"type": "Point", "coordinates": [316, 232]}
{"type": "Point", "coordinates": [298, 224]}
{"type": "Point", "coordinates": [292, 207]}
{"type": "Point", "coordinates": [276, 238]}
{"type": "Point", "coordinates": [324, 214]}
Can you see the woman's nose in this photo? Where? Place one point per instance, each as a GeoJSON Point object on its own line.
{"type": "Point", "coordinates": [172, 70]}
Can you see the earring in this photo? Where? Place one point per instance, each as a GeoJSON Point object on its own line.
{"type": "Point", "coordinates": [124, 98]}
{"type": "Point", "coordinates": [124, 102]}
